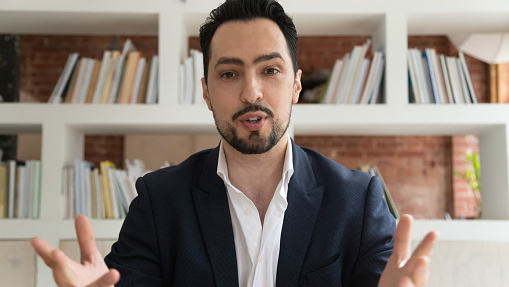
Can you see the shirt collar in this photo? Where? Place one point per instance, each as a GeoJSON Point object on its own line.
{"type": "Point", "coordinates": [222, 165]}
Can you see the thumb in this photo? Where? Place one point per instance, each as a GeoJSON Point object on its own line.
{"type": "Point", "coordinates": [109, 279]}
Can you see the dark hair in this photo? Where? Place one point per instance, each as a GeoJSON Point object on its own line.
{"type": "Point", "coordinates": [246, 10]}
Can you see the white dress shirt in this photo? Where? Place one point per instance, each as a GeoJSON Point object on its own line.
{"type": "Point", "coordinates": [257, 246]}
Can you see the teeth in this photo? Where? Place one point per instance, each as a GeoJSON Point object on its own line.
{"type": "Point", "coordinates": [253, 120]}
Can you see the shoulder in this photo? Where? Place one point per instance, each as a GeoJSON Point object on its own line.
{"type": "Point", "coordinates": [185, 169]}
{"type": "Point", "coordinates": [330, 172]}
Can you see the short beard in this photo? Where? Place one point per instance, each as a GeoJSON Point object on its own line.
{"type": "Point", "coordinates": [255, 143]}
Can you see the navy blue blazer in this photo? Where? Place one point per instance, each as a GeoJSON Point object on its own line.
{"type": "Point", "coordinates": [337, 229]}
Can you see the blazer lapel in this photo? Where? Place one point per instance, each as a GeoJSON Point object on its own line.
{"type": "Point", "coordinates": [211, 204]}
{"type": "Point", "coordinates": [304, 198]}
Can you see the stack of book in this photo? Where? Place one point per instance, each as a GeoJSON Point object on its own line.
{"type": "Point", "coordinates": [121, 77]}
{"type": "Point", "coordinates": [20, 189]}
{"type": "Point", "coordinates": [438, 79]}
{"type": "Point", "coordinates": [355, 79]}
{"type": "Point", "coordinates": [190, 74]}
{"type": "Point", "coordinates": [373, 170]}
{"type": "Point", "coordinates": [103, 192]}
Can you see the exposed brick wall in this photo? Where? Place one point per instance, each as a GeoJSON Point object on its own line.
{"type": "Point", "coordinates": [43, 58]}
{"type": "Point", "coordinates": [417, 170]}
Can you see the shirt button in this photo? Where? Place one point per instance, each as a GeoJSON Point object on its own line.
{"type": "Point", "coordinates": [247, 211]}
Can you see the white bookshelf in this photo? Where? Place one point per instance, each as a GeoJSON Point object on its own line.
{"type": "Point", "coordinates": [387, 22]}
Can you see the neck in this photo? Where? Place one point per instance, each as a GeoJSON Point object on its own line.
{"type": "Point", "coordinates": [257, 175]}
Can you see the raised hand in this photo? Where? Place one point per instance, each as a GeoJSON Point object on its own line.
{"type": "Point", "coordinates": [403, 269]}
{"type": "Point", "coordinates": [92, 271]}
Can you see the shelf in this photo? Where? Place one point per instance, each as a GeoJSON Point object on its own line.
{"type": "Point", "coordinates": [307, 119]}
{"type": "Point", "coordinates": [24, 228]}
{"type": "Point", "coordinates": [451, 23]}
{"type": "Point", "coordinates": [407, 120]}
{"type": "Point", "coordinates": [79, 23]}
{"type": "Point", "coordinates": [464, 230]}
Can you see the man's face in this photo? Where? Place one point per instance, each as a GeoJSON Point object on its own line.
{"type": "Point", "coordinates": [251, 85]}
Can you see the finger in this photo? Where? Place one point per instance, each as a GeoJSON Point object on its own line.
{"type": "Point", "coordinates": [108, 279]}
{"type": "Point", "coordinates": [425, 248]}
{"type": "Point", "coordinates": [405, 282]}
{"type": "Point", "coordinates": [44, 250]}
{"type": "Point", "coordinates": [61, 269]}
{"type": "Point", "coordinates": [86, 239]}
{"type": "Point", "coordinates": [402, 238]}
{"type": "Point", "coordinates": [420, 272]}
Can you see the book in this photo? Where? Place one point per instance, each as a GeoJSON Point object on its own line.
{"type": "Point", "coordinates": [182, 84]}
{"type": "Point", "coordinates": [357, 72]}
{"type": "Point", "coordinates": [72, 84]}
{"type": "Point", "coordinates": [413, 78]}
{"type": "Point", "coordinates": [421, 77]}
{"type": "Point", "coordinates": [21, 190]}
{"type": "Point", "coordinates": [109, 77]}
{"type": "Point", "coordinates": [11, 188]}
{"type": "Point", "coordinates": [369, 87]}
{"type": "Point", "coordinates": [131, 69]}
{"type": "Point", "coordinates": [101, 79]}
{"type": "Point", "coordinates": [464, 88]}
{"type": "Point", "coordinates": [117, 211]}
{"type": "Point", "coordinates": [98, 206]}
{"type": "Point", "coordinates": [427, 81]}
{"type": "Point", "coordinates": [468, 79]}
{"type": "Point", "coordinates": [93, 82]}
{"type": "Point", "coordinates": [454, 80]}
{"type": "Point", "coordinates": [189, 83]}
{"type": "Point", "coordinates": [87, 75]}
{"type": "Point", "coordinates": [137, 81]}
{"type": "Point", "coordinates": [142, 93]}
{"type": "Point", "coordinates": [36, 190]}
{"type": "Point", "coordinates": [433, 76]}
{"type": "Point", "coordinates": [118, 72]}
{"type": "Point", "coordinates": [153, 81]}
{"type": "Point", "coordinates": [378, 80]}
{"type": "Point", "coordinates": [348, 75]}
{"type": "Point", "coordinates": [80, 78]}
{"type": "Point", "coordinates": [63, 82]}
{"type": "Point", "coordinates": [3, 189]}
{"type": "Point", "coordinates": [445, 72]}
{"type": "Point", "coordinates": [361, 81]}
{"type": "Point", "coordinates": [197, 57]}
{"type": "Point", "coordinates": [439, 77]}
{"type": "Point", "coordinates": [332, 85]}
{"type": "Point", "coordinates": [107, 198]}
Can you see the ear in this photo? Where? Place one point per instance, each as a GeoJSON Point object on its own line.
{"type": "Point", "coordinates": [206, 95]}
{"type": "Point", "coordinates": [297, 87]}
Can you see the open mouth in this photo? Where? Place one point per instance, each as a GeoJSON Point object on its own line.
{"type": "Point", "coordinates": [253, 120]}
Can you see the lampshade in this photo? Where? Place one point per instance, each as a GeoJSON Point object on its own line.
{"type": "Point", "coordinates": [492, 48]}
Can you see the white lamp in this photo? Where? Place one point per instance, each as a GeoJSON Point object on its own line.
{"type": "Point", "coordinates": [492, 48]}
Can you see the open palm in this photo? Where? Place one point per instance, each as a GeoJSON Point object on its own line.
{"type": "Point", "coordinates": [91, 271]}
{"type": "Point", "coordinates": [405, 269]}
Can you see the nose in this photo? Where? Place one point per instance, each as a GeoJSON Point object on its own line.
{"type": "Point", "coordinates": [252, 90]}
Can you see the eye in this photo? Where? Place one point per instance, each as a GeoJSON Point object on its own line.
{"type": "Point", "coordinates": [271, 71]}
{"type": "Point", "coordinates": [228, 75]}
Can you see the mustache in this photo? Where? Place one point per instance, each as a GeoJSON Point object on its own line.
{"type": "Point", "coordinates": [252, 108]}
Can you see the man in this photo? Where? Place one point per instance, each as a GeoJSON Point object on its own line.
{"type": "Point", "coordinates": [258, 210]}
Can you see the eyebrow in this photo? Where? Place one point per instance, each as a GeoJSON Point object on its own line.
{"type": "Point", "coordinates": [239, 62]}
